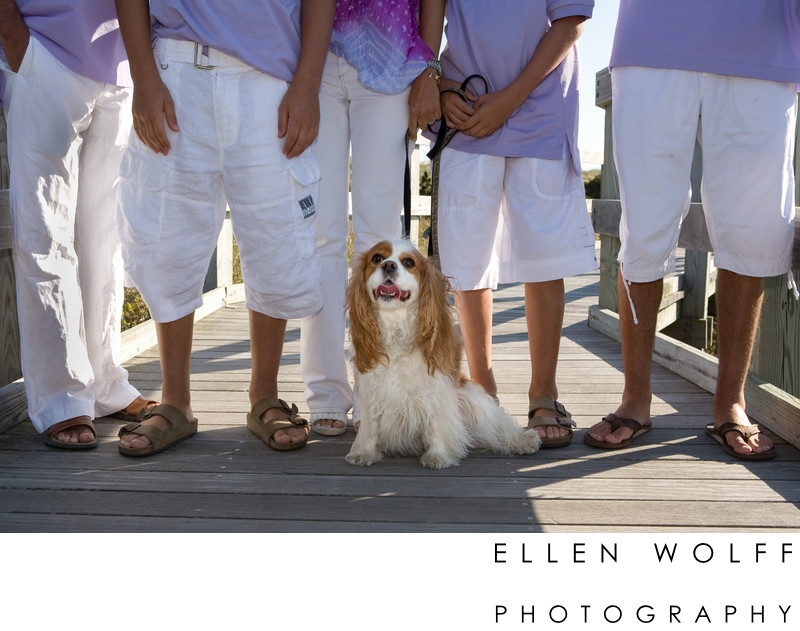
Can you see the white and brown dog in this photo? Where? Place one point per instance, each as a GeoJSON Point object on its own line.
{"type": "Point", "coordinates": [414, 399]}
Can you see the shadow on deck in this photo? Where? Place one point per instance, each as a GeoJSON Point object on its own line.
{"type": "Point", "coordinates": [675, 479]}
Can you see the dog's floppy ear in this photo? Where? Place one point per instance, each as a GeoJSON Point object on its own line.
{"type": "Point", "coordinates": [365, 333]}
{"type": "Point", "coordinates": [436, 334]}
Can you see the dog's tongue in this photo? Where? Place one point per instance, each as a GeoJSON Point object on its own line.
{"type": "Point", "coordinates": [391, 290]}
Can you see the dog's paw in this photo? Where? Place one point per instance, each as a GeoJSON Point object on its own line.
{"type": "Point", "coordinates": [431, 460]}
{"type": "Point", "coordinates": [528, 443]}
{"type": "Point", "coordinates": [363, 458]}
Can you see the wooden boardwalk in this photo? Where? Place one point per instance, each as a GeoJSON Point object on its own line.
{"type": "Point", "coordinates": [677, 479]}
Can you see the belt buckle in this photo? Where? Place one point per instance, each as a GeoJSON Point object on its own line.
{"type": "Point", "coordinates": [204, 53]}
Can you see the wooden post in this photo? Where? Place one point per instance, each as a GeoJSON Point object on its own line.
{"type": "Point", "coordinates": [609, 189]}
{"type": "Point", "coordinates": [10, 366]}
{"type": "Point", "coordinates": [776, 354]}
{"type": "Point", "coordinates": [220, 268]}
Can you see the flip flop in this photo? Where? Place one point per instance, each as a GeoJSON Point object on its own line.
{"type": "Point", "coordinates": [562, 419]}
{"type": "Point", "coordinates": [265, 429]}
{"type": "Point", "coordinates": [746, 432]}
{"type": "Point", "coordinates": [179, 428]}
{"type": "Point", "coordinates": [616, 422]}
{"type": "Point", "coordinates": [50, 434]}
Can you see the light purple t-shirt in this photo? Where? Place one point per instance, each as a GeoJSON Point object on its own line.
{"type": "Point", "coordinates": [82, 34]}
{"type": "Point", "coordinates": [264, 34]}
{"type": "Point", "coordinates": [496, 40]}
{"type": "Point", "coordinates": [759, 39]}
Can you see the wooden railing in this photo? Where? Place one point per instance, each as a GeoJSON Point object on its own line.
{"type": "Point", "coordinates": [773, 385]}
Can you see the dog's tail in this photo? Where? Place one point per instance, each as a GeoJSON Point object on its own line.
{"type": "Point", "coordinates": [490, 425]}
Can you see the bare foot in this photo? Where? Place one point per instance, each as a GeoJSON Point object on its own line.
{"type": "Point", "coordinates": [288, 435]}
{"type": "Point", "coordinates": [81, 433]}
{"type": "Point", "coordinates": [328, 426]}
{"type": "Point", "coordinates": [548, 431]}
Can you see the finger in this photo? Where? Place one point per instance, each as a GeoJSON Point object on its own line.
{"type": "Point", "coordinates": [283, 120]}
{"type": "Point", "coordinates": [169, 114]}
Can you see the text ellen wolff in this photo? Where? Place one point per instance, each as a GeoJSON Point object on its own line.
{"type": "Point", "coordinates": [663, 554]}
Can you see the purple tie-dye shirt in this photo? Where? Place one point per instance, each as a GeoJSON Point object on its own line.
{"type": "Point", "coordinates": [380, 39]}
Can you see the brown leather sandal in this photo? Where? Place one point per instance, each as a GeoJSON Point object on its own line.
{"type": "Point", "coordinates": [130, 417]}
{"type": "Point", "coordinates": [50, 434]}
{"type": "Point", "coordinates": [265, 429]}
{"type": "Point", "coordinates": [179, 429]}
{"type": "Point", "coordinates": [746, 432]}
{"type": "Point", "coordinates": [561, 419]}
{"type": "Point", "coordinates": [616, 422]}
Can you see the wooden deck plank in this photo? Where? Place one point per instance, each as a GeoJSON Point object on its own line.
{"type": "Point", "coordinates": [676, 479]}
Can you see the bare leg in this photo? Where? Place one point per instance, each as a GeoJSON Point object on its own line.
{"type": "Point", "coordinates": [637, 354]}
{"type": "Point", "coordinates": [175, 352]}
{"type": "Point", "coordinates": [474, 309]}
{"type": "Point", "coordinates": [738, 308]}
{"type": "Point", "coordinates": [266, 348]}
{"type": "Point", "coordinates": [544, 314]}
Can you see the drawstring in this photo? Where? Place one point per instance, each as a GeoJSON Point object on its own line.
{"type": "Point", "coordinates": [792, 284]}
{"type": "Point", "coordinates": [628, 291]}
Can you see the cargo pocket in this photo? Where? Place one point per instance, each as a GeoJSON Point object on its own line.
{"type": "Point", "coordinates": [305, 176]}
{"type": "Point", "coordinates": [142, 187]}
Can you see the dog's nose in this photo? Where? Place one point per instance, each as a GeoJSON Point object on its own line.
{"type": "Point", "coordinates": [389, 266]}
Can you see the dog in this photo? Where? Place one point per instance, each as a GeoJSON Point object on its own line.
{"type": "Point", "coordinates": [407, 356]}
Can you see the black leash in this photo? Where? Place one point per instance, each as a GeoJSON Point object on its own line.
{"type": "Point", "coordinates": [443, 137]}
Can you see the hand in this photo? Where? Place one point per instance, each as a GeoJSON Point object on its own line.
{"type": "Point", "coordinates": [15, 47]}
{"type": "Point", "coordinates": [298, 118]}
{"type": "Point", "coordinates": [152, 105]}
{"type": "Point", "coordinates": [491, 111]}
{"type": "Point", "coordinates": [456, 110]}
{"type": "Point", "coordinates": [423, 103]}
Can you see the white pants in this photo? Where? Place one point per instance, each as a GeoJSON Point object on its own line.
{"type": "Point", "coordinates": [511, 220]}
{"type": "Point", "coordinates": [66, 134]}
{"type": "Point", "coordinates": [747, 131]}
{"type": "Point", "coordinates": [226, 152]}
{"type": "Point", "coordinates": [375, 124]}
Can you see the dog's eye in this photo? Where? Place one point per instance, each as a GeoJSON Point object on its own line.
{"type": "Point", "coordinates": [377, 258]}
{"type": "Point", "coordinates": [408, 263]}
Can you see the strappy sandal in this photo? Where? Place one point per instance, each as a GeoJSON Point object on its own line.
{"type": "Point", "coordinates": [50, 434]}
{"type": "Point", "coordinates": [746, 432]}
{"type": "Point", "coordinates": [179, 428]}
{"type": "Point", "coordinates": [562, 419]}
{"type": "Point", "coordinates": [265, 429]}
{"type": "Point", "coordinates": [616, 422]}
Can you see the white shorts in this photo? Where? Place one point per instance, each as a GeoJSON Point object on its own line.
{"type": "Point", "coordinates": [746, 129]}
{"type": "Point", "coordinates": [226, 153]}
{"type": "Point", "coordinates": [511, 220]}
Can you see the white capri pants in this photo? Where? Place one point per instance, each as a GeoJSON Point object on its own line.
{"type": "Point", "coordinates": [66, 134]}
{"type": "Point", "coordinates": [511, 220]}
{"type": "Point", "coordinates": [746, 128]}
{"type": "Point", "coordinates": [227, 152]}
{"type": "Point", "coordinates": [374, 124]}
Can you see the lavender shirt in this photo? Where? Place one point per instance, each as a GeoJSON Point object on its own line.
{"type": "Point", "coordinates": [264, 34]}
{"type": "Point", "coordinates": [759, 39]}
{"type": "Point", "coordinates": [380, 39]}
{"type": "Point", "coordinates": [497, 39]}
{"type": "Point", "coordinates": [82, 34]}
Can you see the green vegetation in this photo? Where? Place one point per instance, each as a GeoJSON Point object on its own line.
{"type": "Point", "coordinates": [134, 311]}
{"type": "Point", "coordinates": [591, 182]}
